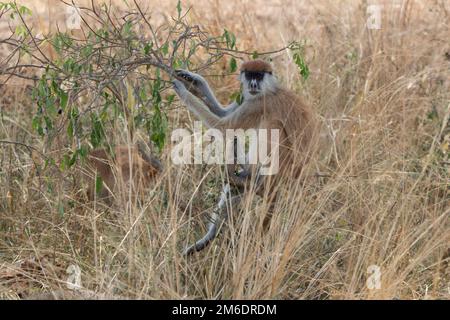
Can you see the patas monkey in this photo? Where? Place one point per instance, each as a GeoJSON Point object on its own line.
{"type": "Point", "coordinates": [131, 166]}
{"type": "Point", "coordinates": [266, 105]}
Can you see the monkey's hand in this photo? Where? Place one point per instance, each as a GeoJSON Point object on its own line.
{"type": "Point", "coordinates": [190, 78]}
{"type": "Point", "coordinates": [193, 82]}
{"type": "Point", "coordinates": [198, 87]}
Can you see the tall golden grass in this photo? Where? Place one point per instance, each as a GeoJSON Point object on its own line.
{"type": "Point", "coordinates": [382, 198]}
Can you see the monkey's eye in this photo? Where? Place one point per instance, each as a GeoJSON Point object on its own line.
{"type": "Point", "coordinates": [250, 75]}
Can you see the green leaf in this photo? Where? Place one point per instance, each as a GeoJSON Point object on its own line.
{"type": "Point", "coordinates": [50, 107]}
{"type": "Point", "coordinates": [177, 63]}
{"type": "Point", "coordinates": [126, 30]}
{"type": "Point", "coordinates": [97, 132]}
{"type": "Point", "coordinates": [70, 130]}
{"type": "Point", "coordinates": [83, 152]}
{"type": "Point", "coordinates": [302, 66]}
{"type": "Point", "coordinates": [237, 96]}
{"type": "Point", "coordinates": [156, 96]}
{"type": "Point", "coordinates": [170, 99]}
{"type": "Point", "coordinates": [233, 65]}
{"type": "Point", "coordinates": [21, 31]}
{"type": "Point", "coordinates": [179, 8]}
{"type": "Point", "coordinates": [61, 41]}
{"type": "Point", "coordinates": [98, 184]}
{"type": "Point", "coordinates": [63, 96]}
{"type": "Point", "coordinates": [158, 129]}
{"type": "Point", "coordinates": [69, 65]}
{"type": "Point", "coordinates": [61, 208]}
{"type": "Point", "coordinates": [24, 10]}
{"type": "Point", "coordinates": [37, 125]}
{"type": "Point", "coordinates": [49, 162]}
{"type": "Point", "coordinates": [65, 162]}
{"type": "Point", "coordinates": [148, 47]}
{"type": "Point", "coordinates": [73, 159]}
{"type": "Point", "coordinates": [433, 113]}
{"type": "Point", "coordinates": [298, 49]}
{"type": "Point", "coordinates": [87, 50]}
{"type": "Point", "coordinates": [165, 48]}
{"type": "Point", "coordinates": [48, 123]}
{"type": "Point", "coordinates": [230, 39]}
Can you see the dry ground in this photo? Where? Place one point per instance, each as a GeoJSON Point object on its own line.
{"type": "Point", "coordinates": [383, 99]}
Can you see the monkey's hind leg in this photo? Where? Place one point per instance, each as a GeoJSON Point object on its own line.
{"type": "Point", "coordinates": [217, 218]}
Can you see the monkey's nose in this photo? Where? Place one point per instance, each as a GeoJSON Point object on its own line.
{"type": "Point", "coordinates": [254, 85]}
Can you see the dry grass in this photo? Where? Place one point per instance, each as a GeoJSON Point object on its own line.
{"type": "Point", "coordinates": [383, 97]}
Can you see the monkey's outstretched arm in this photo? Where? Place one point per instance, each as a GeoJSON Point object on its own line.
{"type": "Point", "coordinates": [198, 107]}
{"type": "Point", "coordinates": [198, 85]}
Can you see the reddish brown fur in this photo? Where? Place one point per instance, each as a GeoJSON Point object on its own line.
{"type": "Point", "coordinates": [298, 132]}
{"type": "Point", "coordinates": [256, 66]}
{"type": "Point", "coordinates": [295, 120]}
{"type": "Point", "coordinates": [127, 165]}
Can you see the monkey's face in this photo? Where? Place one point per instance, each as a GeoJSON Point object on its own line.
{"type": "Point", "coordinates": [256, 83]}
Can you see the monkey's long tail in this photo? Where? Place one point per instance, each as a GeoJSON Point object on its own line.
{"type": "Point", "coordinates": [213, 226]}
